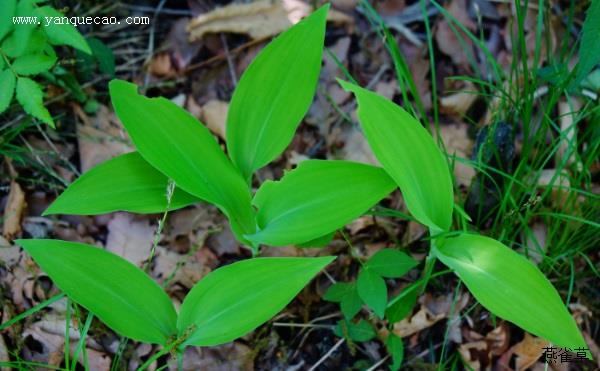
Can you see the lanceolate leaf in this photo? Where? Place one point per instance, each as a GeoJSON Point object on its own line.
{"type": "Point", "coordinates": [7, 88]}
{"type": "Point", "coordinates": [316, 198]}
{"type": "Point", "coordinates": [409, 155]}
{"type": "Point", "coordinates": [31, 97]}
{"type": "Point", "coordinates": [234, 300]}
{"type": "Point", "coordinates": [61, 33]}
{"type": "Point", "coordinates": [114, 290]}
{"type": "Point", "coordinates": [511, 287]}
{"type": "Point", "coordinates": [589, 49]}
{"type": "Point", "coordinates": [274, 94]}
{"type": "Point", "coordinates": [183, 149]}
{"type": "Point", "coordinates": [125, 183]}
{"type": "Point", "coordinates": [32, 64]}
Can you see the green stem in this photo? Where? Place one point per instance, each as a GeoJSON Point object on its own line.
{"type": "Point", "coordinates": [30, 311]}
{"type": "Point", "coordinates": [162, 352]}
{"type": "Point", "coordinates": [8, 62]}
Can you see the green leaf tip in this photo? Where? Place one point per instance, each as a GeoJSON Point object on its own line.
{"type": "Point", "coordinates": [175, 143]}
{"type": "Point", "coordinates": [113, 289]}
{"type": "Point", "coordinates": [511, 287]}
{"type": "Point", "coordinates": [235, 299]}
{"type": "Point", "coordinates": [274, 94]}
{"type": "Point", "coordinates": [409, 155]}
{"type": "Point", "coordinates": [315, 199]}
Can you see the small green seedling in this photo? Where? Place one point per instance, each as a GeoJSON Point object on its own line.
{"type": "Point", "coordinates": [370, 289]}
{"type": "Point", "coordinates": [26, 51]}
{"type": "Point", "coordinates": [504, 282]}
{"type": "Point", "coordinates": [178, 163]}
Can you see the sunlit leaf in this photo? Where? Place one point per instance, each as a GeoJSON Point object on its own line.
{"type": "Point", "coordinates": [124, 183]}
{"type": "Point", "coordinates": [110, 287]}
{"type": "Point", "coordinates": [409, 155]}
{"type": "Point", "coordinates": [274, 94]}
{"type": "Point", "coordinates": [233, 300]}
{"type": "Point", "coordinates": [511, 287]}
{"type": "Point", "coordinates": [316, 198]}
{"type": "Point", "coordinates": [183, 149]}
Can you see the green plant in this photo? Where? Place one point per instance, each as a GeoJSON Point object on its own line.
{"type": "Point", "coordinates": [26, 51]}
{"type": "Point", "coordinates": [504, 282]}
{"type": "Point", "coordinates": [226, 304]}
{"type": "Point", "coordinates": [179, 163]}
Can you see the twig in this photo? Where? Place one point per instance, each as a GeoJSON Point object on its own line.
{"type": "Point", "coordinates": [229, 61]}
{"type": "Point", "coordinates": [327, 355]}
{"type": "Point", "coordinates": [379, 363]}
{"type": "Point", "coordinates": [151, 39]}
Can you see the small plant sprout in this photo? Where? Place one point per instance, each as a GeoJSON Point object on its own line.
{"type": "Point", "coordinates": [26, 51]}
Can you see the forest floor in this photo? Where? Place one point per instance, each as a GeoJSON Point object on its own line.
{"type": "Point", "coordinates": [479, 72]}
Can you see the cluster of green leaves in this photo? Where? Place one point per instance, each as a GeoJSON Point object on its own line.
{"type": "Point", "coordinates": [305, 207]}
{"type": "Point", "coordinates": [370, 289]}
{"type": "Point", "coordinates": [26, 51]}
{"type": "Point", "coordinates": [135, 306]}
{"type": "Point", "coordinates": [503, 281]}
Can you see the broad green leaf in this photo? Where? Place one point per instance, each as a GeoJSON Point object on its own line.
{"type": "Point", "coordinates": [61, 33]}
{"type": "Point", "coordinates": [316, 198]}
{"type": "Point", "coordinates": [31, 97]}
{"type": "Point", "coordinates": [351, 304]}
{"type": "Point", "coordinates": [345, 294]}
{"type": "Point", "coordinates": [124, 183]}
{"type": "Point", "coordinates": [409, 155]}
{"type": "Point", "coordinates": [318, 242]}
{"type": "Point", "coordinates": [7, 88]}
{"type": "Point", "coordinates": [183, 149]}
{"type": "Point", "coordinates": [372, 290]}
{"type": "Point", "coordinates": [359, 332]}
{"type": "Point", "coordinates": [234, 300]}
{"type": "Point", "coordinates": [395, 348]}
{"type": "Point", "coordinates": [391, 263]}
{"type": "Point", "coordinates": [402, 305]}
{"type": "Point", "coordinates": [32, 64]}
{"type": "Point", "coordinates": [7, 11]}
{"type": "Point", "coordinates": [274, 94]}
{"type": "Point", "coordinates": [511, 287]}
{"type": "Point", "coordinates": [589, 48]}
{"type": "Point", "coordinates": [338, 291]}
{"type": "Point", "coordinates": [114, 290]}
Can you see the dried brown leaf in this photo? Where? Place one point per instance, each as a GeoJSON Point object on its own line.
{"type": "Point", "coordinates": [259, 20]}
{"type": "Point", "coordinates": [130, 237]}
{"type": "Point", "coordinates": [13, 211]}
